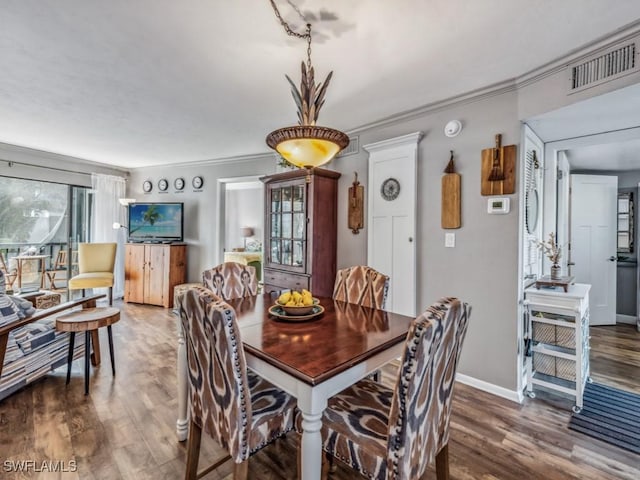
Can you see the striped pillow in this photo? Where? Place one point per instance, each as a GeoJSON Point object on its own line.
{"type": "Point", "coordinates": [8, 311]}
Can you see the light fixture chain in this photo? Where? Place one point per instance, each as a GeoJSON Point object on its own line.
{"type": "Point", "coordinates": [286, 26]}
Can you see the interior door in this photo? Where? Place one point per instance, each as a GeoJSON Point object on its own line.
{"type": "Point", "coordinates": [593, 242]}
{"type": "Point", "coordinates": [392, 218]}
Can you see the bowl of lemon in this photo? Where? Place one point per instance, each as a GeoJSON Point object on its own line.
{"type": "Point", "coordinates": [297, 303]}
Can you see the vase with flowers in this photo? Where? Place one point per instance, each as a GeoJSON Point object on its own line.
{"type": "Point", "coordinates": [553, 252]}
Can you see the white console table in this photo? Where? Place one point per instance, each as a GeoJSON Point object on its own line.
{"type": "Point", "coordinates": [558, 327]}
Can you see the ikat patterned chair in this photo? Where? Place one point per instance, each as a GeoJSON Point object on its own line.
{"type": "Point", "coordinates": [231, 280]}
{"type": "Point", "coordinates": [386, 434]}
{"type": "Point", "coordinates": [362, 285]}
{"type": "Point", "coordinates": [239, 409]}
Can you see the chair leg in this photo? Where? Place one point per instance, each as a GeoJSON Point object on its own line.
{"type": "Point", "coordinates": [72, 339]}
{"type": "Point", "coordinates": [87, 355]}
{"type": "Point", "coordinates": [241, 470]}
{"type": "Point", "coordinates": [442, 463]}
{"type": "Point", "coordinates": [111, 296]}
{"type": "Point", "coordinates": [193, 451]}
{"type": "Point", "coordinates": [113, 361]}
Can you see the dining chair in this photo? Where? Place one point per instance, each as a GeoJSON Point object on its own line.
{"type": "Point", "coordinates": [59, 267]}
{"type": "Point", "coordinates": [96, 262]}
{"type": "Point", "coordinates": [240, 410]}
{"type": "Point", "coordinates": [362, 285]}
{"type": "Point", "coordinates": [10, 275]}
{"type": "Point", "coordinates": [231, 280]}
{"type": "Point", "coordinates": [396, 434]}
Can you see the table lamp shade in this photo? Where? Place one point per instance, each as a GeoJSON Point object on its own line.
{"type": "Point", "coordinates": [246, 232]}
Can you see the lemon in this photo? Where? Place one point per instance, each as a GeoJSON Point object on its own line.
{"type": "Point", "coordinates": [284, 298]}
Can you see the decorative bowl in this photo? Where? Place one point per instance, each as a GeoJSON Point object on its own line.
{"type": "Point", "coordinates": [302, 310]}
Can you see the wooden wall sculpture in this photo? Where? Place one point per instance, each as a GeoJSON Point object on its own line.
{"type": "Point", "coordinates": [498, 173]}
{"type": "Point", "coordinates": [355, 214]}
{"type": "Point", "coordinates": [451, 197]}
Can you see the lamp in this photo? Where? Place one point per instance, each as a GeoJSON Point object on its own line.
{"type": "Point", "coordinates": [246, 232]}
{"type": "Point", "coordinates": [117, 225]}
{"type": "Point", "coordinates": [306, 145]}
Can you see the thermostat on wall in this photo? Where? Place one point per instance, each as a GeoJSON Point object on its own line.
{"type": "Point", "coordinates": [498, 206]}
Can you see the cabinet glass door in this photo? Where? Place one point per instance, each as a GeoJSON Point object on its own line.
{"type": "Point", "coordinates": [287, 226]}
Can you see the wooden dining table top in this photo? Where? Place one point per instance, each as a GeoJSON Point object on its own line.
{"type": "Point", "coordinates": [316, 350]}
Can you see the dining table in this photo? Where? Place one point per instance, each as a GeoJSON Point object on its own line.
{"type": "Point", "coordinates": [20, 259]}
{"type": "Point", "coordinates": [311, 360]}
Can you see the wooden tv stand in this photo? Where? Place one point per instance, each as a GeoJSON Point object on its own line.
{"type": "Point", "coordinates": [151, 270]}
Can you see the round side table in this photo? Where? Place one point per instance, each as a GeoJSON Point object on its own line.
{"type": "Point", "coordinates": [88, 320]}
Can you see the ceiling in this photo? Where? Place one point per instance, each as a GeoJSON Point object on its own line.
{"type": "Point", "coordinates": [135, 83]}
{"type": "Point", "coordinates": [614, 111]}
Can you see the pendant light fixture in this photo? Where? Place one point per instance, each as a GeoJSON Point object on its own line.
{"type": "Point", "coordinates": [306, 145]}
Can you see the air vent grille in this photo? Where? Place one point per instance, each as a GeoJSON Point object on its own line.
{"type": "Point", "coordinates": [352, 148]}
{"type": "Point", "coordinates": [608, 66]}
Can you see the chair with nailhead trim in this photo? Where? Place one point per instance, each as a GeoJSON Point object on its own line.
{"type": "Point", "coordinates": [396, 434]}
{"type": "Point", "coordinates": [240, 410]}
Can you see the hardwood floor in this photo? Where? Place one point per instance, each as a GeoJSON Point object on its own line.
{"type": "Point", "coordinates": [615, 356]}
{"type": "Point", "coordinates": [125, 428]}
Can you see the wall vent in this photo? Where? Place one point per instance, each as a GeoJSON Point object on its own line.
{"type": "Point", "coordinates": [616, 62]}
{"type": "Point", "coordinates": [352, 148]}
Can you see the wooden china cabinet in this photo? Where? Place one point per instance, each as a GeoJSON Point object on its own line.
{"type": "Point", "coordinates": [301, 230]}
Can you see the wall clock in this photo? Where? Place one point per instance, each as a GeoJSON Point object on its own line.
{"type": "Point", "coordinates": [147, 186]}
{"type": "Point", "coordinates": [163, 184]}
{"type": "Point", "coordinates": [197, 182]}
{"type": "Point", "coordinates": [178, 183]}
{"type": "Point", "coordinates": [390, 189]}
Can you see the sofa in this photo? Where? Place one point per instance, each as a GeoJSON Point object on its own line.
{"type": "Point", "coordinates": [30, 346]}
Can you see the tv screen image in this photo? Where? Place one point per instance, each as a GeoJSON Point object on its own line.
{"type": "Point", "coordinates": [155, 222]}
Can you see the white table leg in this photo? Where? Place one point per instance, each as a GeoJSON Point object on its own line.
{"type": "Point", "coordinates": [182, 424]}
{"type": "Point", "coordinates": [311, 446]}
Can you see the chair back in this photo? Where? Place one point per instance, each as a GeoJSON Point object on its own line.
{"type": "Point", "coordinates": [61, 260]}
{"type": "Point", "coordinates": [231, 280]}
{"type": "Point", "coordinates": [421, 405]}
{"type": "Point", "coordinates": [9, 275]}
{"type": "Point", "coordinates": [218, 387]}
{"type": "Point", "coordinates": [96, 257]}
{"type": "Point", "coordinates": [362, 285]}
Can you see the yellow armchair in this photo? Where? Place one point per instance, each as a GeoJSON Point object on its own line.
{"type": "Point", "coordinates": [96, 262]}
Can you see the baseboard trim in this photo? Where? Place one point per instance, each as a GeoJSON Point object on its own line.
{"type": "Point", "coordinates": [630, 319]}
{"type": "Point", "coordinates": [512, 395]}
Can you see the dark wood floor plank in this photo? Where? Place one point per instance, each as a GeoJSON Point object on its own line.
{"type": "Point", "coordinates": [125, 428]}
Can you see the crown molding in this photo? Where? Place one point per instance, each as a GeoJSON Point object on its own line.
{"type": "Point", "coordinates": [32, 157]}
{"type": "Point", "coordinates": [594, 47]}
{"type": "Point", "coordinates": [409, 140]}
{"type": "Point", "coordinates": [462, 99]}
{"type": "Point", "coordinates": [268, 156]}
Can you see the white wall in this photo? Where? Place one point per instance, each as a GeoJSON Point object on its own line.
{"type": "Point", "coordinates": [203, 209]}
{"type": "Point", "coordinates": [244, 207]}
{"type": "Point", "coordinates": [482, 268]}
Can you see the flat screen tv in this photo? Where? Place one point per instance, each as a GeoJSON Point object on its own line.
{"type": "Point", "coordinates": [156, 222]}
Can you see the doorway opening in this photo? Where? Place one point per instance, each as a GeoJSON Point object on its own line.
{"type": "Point", "coordinates": [598, 137]}
{"type": "Point", "coordinates": [241, 225]}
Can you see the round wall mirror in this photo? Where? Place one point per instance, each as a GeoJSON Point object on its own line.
{"type": "Point", "coordinates": [531, 213]}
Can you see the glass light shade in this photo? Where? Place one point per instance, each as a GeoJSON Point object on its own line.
{"type": "Point", "coordinates": [307, 145]}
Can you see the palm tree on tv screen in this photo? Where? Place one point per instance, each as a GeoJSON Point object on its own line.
{"type": "Point", "coordinates": [150, 216]}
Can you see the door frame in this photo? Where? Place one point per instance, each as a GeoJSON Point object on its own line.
{"type": "Point", "coordinates": [220, 214]}
{"type": "Point", "coordinates": [552, 151]}
{"type": "Point", "coordinates": [405, 147]}
{"type": "Point", "coordinates": [527, 136]}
